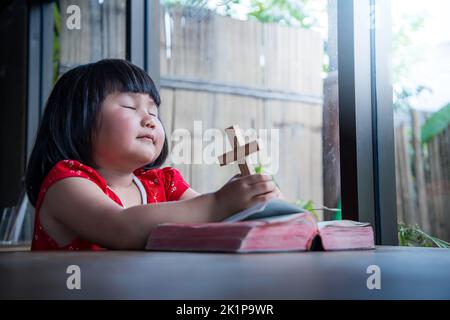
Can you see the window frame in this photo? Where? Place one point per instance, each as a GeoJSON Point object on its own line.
{"type": "Point", "coordinates": [143, 36]}
{"type": "Point", "coordinates": [366, 127]}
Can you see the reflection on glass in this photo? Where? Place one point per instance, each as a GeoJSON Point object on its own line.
{"type": "Point", "coordinates": [421, 74]}
{"type": "Point", "coordinates": [102, 32]}
{"type": "Point", "coordinates": [97, 32]}
{"type": "Point", "coordinates": [268, 67]}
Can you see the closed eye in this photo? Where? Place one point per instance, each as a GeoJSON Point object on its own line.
{"type": "Point", "coordinates": [133, 108]}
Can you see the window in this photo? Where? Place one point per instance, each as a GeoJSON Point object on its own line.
{"type": "Point", "coordinates": [55, 48]}
{"type": "Point", "coordinates": [421, 73]}
{"type": "Point", "coordinates": [102, 33]}
{"type": "Point", "coordinates": [272, 72]}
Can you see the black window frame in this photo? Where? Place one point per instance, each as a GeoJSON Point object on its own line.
{"type": "Point", "coordinates": [366, 127]}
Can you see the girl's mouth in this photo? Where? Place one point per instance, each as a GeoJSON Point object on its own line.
{"type": "Point", "coordinates": [148, 138]}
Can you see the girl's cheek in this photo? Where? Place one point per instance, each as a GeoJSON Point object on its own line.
{"type": "Point", "coordinates": [123, 126]}
{"type": "Point", "coordinates": [160, 131]}
{"type": "Point", "coordinates": [161, 136]}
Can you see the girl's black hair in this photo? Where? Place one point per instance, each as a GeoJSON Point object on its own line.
{"type": "Point", "coordinates": [69, 119]}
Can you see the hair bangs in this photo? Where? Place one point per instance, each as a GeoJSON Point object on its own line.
{"type": "Point", "coordinates": [122, 76]}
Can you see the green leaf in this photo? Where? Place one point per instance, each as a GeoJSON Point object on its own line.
{"type": "Point", "coordinates": [437, 123]}
{"type": "Point", "coordinates": [412, 236]}
{"type": "Point", "coordinates": [259, 169]}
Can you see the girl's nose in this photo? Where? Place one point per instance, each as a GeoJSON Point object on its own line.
{"type": "Point", "coordinates": [148, 121]}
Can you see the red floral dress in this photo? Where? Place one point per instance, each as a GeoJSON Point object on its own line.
{"type": "Point", "coordinates": [160, 185]}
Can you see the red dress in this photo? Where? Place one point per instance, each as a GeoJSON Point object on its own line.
{"type": "Point", "coordinates": [161, 185]}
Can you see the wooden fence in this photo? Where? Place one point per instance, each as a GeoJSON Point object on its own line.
{"type": "Point", "coordinates": [423, 179]}
{"type": "Point", "coordinates": [102, 33]}
{"type": "Point", "coordinates": [223, 71]}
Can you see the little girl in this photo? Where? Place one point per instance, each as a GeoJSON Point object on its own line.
{"type": "Point", "coordinates": [94, 174]}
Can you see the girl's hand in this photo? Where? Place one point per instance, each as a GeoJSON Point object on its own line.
{"type": "Point", "coordinates": [240, 193]}
{"type": "Point", "coordinates": [279, 193]}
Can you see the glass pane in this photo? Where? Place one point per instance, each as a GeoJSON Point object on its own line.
{"type": "Point", "coordinates": [83, 32]}
{"type": "Point", "coordinates": [269, 67]}
{"type": "Point", "coordinates": [421, 73]}
{"type": "Point", "coordinates": [100, 33]}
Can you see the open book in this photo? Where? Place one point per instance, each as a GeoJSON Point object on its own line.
{"type": "Point", "coordinates": [272, 226]}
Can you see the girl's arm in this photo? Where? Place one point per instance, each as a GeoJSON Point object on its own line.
{"type": "Point", "coordinates": [189, 194]}
{"type": "Point", "coordinates": [81, 206]}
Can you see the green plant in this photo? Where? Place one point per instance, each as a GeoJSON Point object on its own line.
{"type": "Point", "coordinates": [294, 13]}
{"type": "Point", "coordinates": [437, 123]}
{"type": "Point", "coordinates": [307, 205]}
{"type": "Point", "coordinates": [413, 236]}
{"type": "Point", "coordinates": [289, 12]}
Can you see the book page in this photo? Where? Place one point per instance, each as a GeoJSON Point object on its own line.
{"type": "Point", "coordinates": [271, 208]}
{"type": "Point", "coordinates": [342, 223]}
{"type": "Point", "coordinates": [284, 218]}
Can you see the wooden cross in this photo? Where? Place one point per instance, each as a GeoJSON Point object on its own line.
{"type": "Point", "coordinates": [240, 151]}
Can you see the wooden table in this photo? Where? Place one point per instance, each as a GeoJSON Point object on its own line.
{"type": "Point", "coordinates": [406, 273]}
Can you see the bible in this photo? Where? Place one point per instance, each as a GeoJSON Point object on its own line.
{"type": "Point", "coordinates": [272, 226]}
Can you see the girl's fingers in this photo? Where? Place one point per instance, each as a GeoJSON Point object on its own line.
{"type": "Point", "coordinates": [266, 196]}
{"type": "Point", "coordinates": [256, 178]}
{"type": "Point", "coordinates": [264, 187]}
